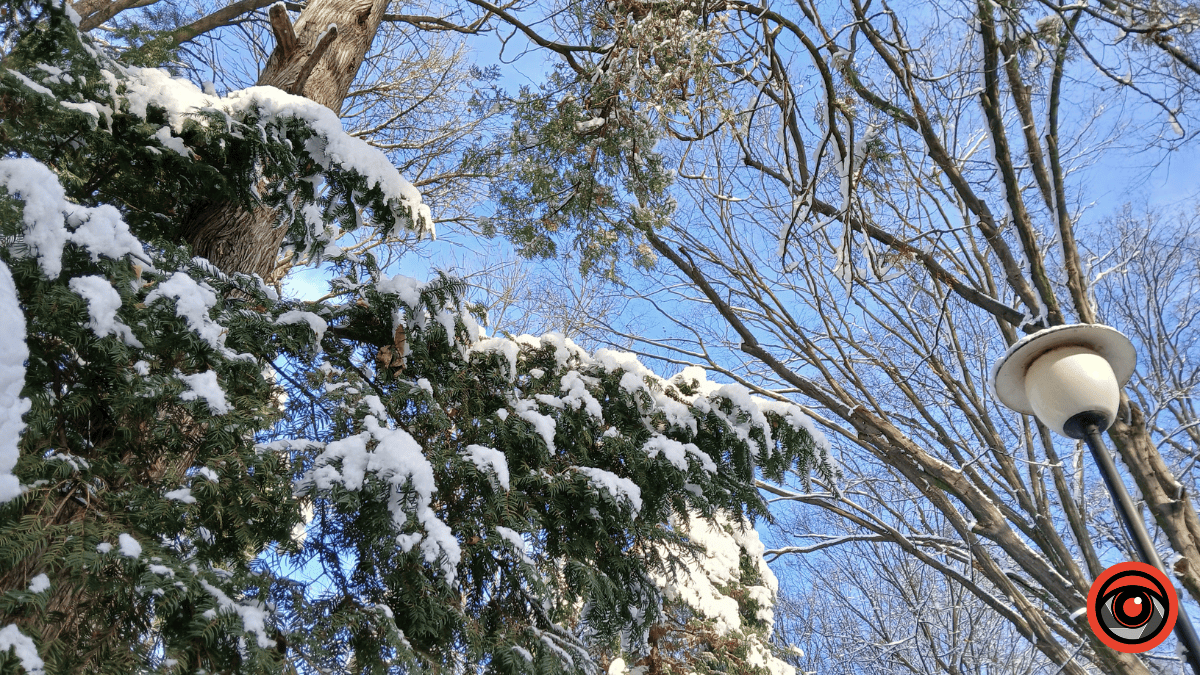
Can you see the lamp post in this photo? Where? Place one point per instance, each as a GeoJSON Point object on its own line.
{"type": "Point", "coordinates": [1070, 377]}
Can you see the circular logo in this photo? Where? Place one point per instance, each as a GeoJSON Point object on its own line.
{"type": "Point", "coordinates": [1132, 607]}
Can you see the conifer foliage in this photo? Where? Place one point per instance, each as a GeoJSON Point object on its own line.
{"type": "Point", "coordinates": [427, 498]}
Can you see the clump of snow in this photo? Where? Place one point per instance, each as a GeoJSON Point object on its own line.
{"type": "Point", "coordinates": [193, 301]}
{"type": "Point", "coordinates": [316, 323]}
{"type": "Point", "coordinates": [589, 125]}
{"type": "Point", "coordinates": [39, 583]}
{"type": "Point", "coordinates": [254, 613]}
{"type": "Point", "coordinates": [399, 460]}
{"type": "Point", "coordinates": [701, 582]}
{"type": "Point", "coordinates": [47, 212]}
{"type": "Point", "coordinates": [45, 234]}
{"type": "Point", "coordinates": [204, 385]}
{"type": "Point", "coordinates": [103, 547]}
{"type": "Point", "coordinates": [162, 570]}
{"type": "Point", "coordinates": [577, 395]}
{"type": "Point", "coordinates": [677, 453]}
{"type": "Point", "coordinates": [515, 540]}
{"type": "Point", "coordinates": [129, 546]}
{"type": "Point", "coordinates": [103, 302]}
{"type": "Point", "coordinates": [508, 348]}
{"type": "Point", "coordinates": [332, 148]}
{"type": "Point", "coordinates": [181, 495]}
{"type": "Point", "coordinates": [615, 485]}
{"type": "Point", "coordinates": [208, 474]}
{"type": "Point", "coordinates": [170, 142]}
{"type": "Point", "coordinates": [544, 425]}
{"type": "Point", "coordinates": [406, 288]}
{"type": "Point", "coordinates": [22, 645]}
{"type": "Point", "coordinates": [485, 459]}
{"type": "Point", "coordinates": [375, 406]}
{"type": "Point", "coordinates": [13, 354]}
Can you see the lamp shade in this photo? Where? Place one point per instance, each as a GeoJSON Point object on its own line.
{"type": "Point", "coordinates": [1064, 372]}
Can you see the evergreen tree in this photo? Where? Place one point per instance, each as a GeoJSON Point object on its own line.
{"type": "Point", "coordinates": [428, 498]}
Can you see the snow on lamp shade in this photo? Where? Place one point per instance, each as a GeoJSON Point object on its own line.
{"type": "Point", "coordinates": [1067, 376]}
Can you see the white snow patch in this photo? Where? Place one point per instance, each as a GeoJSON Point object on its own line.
{"type": "Point", "coordinates": [47, 212]}
{"type": "Point", "coordinates": [204, 385]}
{"type": "Point", "coordinates": [316, 323]}
{"type": "Point", "coordinates": [542, 424]}
{"type": "Point", "coordinates": [13, 354]}
{"type": "Point", "coordinates": [39, 583]}
{"type": "Point", "coordinates": [103, 302]}
{"type": "Point", "coordinates": [22, 645]}
{"type": "Point", "coordinates": [192, 303]}
{"type": "Point", "coordinates": [254, 614]}
{"type": "Point", "coordinates": [181, 495]}
{"type": "Point", "coordinates": [130, 547]}
{"type": "Point", "coordinates": [615, 485]}
{"type": "Point", "coordinates": [485, 459]}
{"type": "Point", "coordinates": [399, 460]}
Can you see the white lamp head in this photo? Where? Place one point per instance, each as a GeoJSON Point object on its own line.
{"type": "Point", "coordinates": [1068, 376]}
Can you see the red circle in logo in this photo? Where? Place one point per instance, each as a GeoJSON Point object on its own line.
{"type": "Point", "coordinates": [1132, 607]}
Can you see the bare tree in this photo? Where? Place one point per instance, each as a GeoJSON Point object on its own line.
{"type": "Point", "coordinates": [872, 202]}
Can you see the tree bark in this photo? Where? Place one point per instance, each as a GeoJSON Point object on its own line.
{"type": "Point", "coordinates": [309, 60]}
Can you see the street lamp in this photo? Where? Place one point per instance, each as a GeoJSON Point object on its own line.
{"type": "Point", "coordinates": [1070, 377]}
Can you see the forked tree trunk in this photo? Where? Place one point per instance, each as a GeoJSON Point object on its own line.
{"type": "Point", "coordinates": [309, 60]}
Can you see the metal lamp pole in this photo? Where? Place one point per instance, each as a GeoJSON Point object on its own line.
{"type": "Point", "coordinates": [1141, 538]}
{"type": "Point", "coordinates": [1070, 377]}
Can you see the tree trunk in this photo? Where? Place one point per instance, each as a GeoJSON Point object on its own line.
{"type": "Point", "coordinates": [314, 62]}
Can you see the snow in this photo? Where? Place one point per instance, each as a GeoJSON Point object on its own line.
{"type": "Point", "coordinates": [103, 302]}
{"type": "Point", "coordinates": [46, 213]}
{"type": "Point", "coordinates": [204, 385]}
{"type": "Point", "coordinates": [615, 485]}
{"type": "Point", "coordinates": [45, 234]}
{"type": "Point", "coordinates": [103, 547]}
{"type": "Point", "coordinates": [676, 453]}
{"type": "Point", "coordinates": [544, 425]}
{"type": "Point", "coordinates": [253, 613]}
{"type": "Point", "coordinates": [332, 148]}
{"type": "Point", "coordinates": [701, 583]}
{"type": "Point", "coordinates": [31, 84]}
{"type": "Point", "coordinates": [515, 540]}
{"type": "Point", "coordinates": [577, 395]}
{"type": "Point", "coordinates": [102, 232]}
{"type": "Point", "coordinates": [589, 125]}
{"type": "Point", "coordinates": [22, 645]}
{"type": "Point", "coordinates": [406, 288]}
{"type": "Point", "coordinates": [181, 495]}
{"type": "Point", "coordinates": [129, 546]}
{"type": "Point", "coordinates": [142, 368]}
{"type": "Point", "coordinates": [503, 346]}
{"type": "Point", "coordinates": [399, 460]}
{"type": "Point", "coordinates": [193, 301]}
{"type": "Point", "coordinates": [13, 354]}
{"type": "Point", "coordinates": [485, 459]}
{"type": "Point", "coordinates": [424, 385]}
{"type": "Point", "coordinates": [77, 463]}
{"type": "Point", "coordinates": [170, 142]}
{"type": "Point", "coordinates": [208, 474]}
{"type": "Point", "coordinates": [39, 583]}
{"type": "Point", "coordinates": [316, 323]}
{"type": "Point", "coordinates": [375, 406]}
